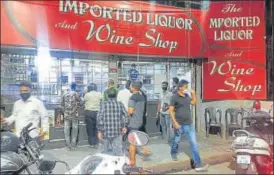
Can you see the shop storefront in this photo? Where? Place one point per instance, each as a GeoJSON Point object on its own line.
{"type": "Point", "coordinates": [50, 80]}
{"type": "Point", "coordinates": [54, 43]}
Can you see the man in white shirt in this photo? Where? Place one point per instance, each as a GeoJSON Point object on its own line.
{"type": "Point", "coordinates": [92, 101]}
{"type": "Point", "coordinates": [124, 95]}
{"type": "Point", "coordinates": [29, 110]}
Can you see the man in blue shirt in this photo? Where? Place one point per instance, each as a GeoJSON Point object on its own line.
{"type": "Point", "coordinates": [133, 73]}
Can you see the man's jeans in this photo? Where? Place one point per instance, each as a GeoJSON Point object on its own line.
{"type": "Point", "coordinates": [116, 145]}
{"type": "Point", "coordinates": [188, 131]}
{"type": "Point", "coordinates": [71, 132]}
{"type": "Point", "coordinates": [166, 129]}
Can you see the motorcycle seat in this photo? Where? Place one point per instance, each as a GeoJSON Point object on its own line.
{"type": "Point", "coordinates": [11, 162]}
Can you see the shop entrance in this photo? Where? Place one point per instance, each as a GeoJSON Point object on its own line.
{"type": "Point", "coordinates": [152, 74]}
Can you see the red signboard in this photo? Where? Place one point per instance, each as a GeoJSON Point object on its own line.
{"type": "Point", "coordinates": [227, 79]}
{"type": "Point", "coordinates": [236, 30]}
{"type": "Point", "coordinates": [237, 61]}
{"type": "Point", "coordinates": [231, 30]}
{"type": "Point", "coordinates": [104, 26]}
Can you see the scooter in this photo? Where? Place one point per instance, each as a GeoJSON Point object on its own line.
{"type": "Point", "coordinates": [252, 147]}
{"type": "Point", "coordinates": [109, 164]}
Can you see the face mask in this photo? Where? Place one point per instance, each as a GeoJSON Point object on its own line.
{"type": "Point", "coordinates": [164, 88]}
{"type": "Point", "coordinates": [25, 96]}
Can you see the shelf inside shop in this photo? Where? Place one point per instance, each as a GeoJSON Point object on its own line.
{"type": "Point", "coordinates": [25, 69]}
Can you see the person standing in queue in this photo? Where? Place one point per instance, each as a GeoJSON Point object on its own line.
{"type": "Point", "coordinates": [28, 110]}
{"type": "Point", "coordinates": [163, 112]}
{"type": "Point", "coordinates": [70, 104]}
{"type": "Point", "coordinates": [92, 100]}
{"type": "Point", "coordinates": [143, 127]}
{"type": "Point", "coordinates": [180, 113]}
{"type": "Point", "coordinates": [112, 122]}
{"type": "Point", "coordinates": [125, 94]}
{"type": "Point", "coordinates": [136, 107]}
{"type": "Point", "coordinates": [111, 85]}
{"type": "Point", "coordinates": [175, 82]}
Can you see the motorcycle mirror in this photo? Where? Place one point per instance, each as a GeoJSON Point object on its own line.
{"type": "Point", "coordinates": [47, 163]}
{"type": "Point", "coordinates": [138, 138]}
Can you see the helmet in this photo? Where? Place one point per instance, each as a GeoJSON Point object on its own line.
{"type": "Point", "coordinates": [9, 142]}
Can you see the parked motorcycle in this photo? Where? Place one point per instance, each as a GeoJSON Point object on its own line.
{"type": "Point", "coordinates": [18, 154]}
{"type": "Point", "coordinates": [109, 164]}
{"type": "Point", "coordinates": [252, 147]}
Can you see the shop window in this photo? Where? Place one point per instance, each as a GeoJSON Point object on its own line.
{"type": "Point", "coordinates": [151, 74]}
{"type": "Point", "coordinates": [84, 72]}
{"type": "Point", "coordinates": [180, 70]}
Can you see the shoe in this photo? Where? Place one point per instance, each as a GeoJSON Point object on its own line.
{"type": "Point", "coordinates": [73, 148]}
{"type": "Point", "coordinates": [192, 164]}
{"type": "Point", "coordinates": [95, 146]}
{"type": "Point", "coordinates": [202, 168]}
{"type": "Point", "coordinates": [174, 157]}
{"type": "Point", "coordinates": [91, 146]}
{"type": "Point", "coordinates": [68, 148]}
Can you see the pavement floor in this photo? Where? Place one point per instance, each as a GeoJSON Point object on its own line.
{"type": "Point", "coordinates": [160, 161]}
{"type": "Point", "coordinates": [223, 168]}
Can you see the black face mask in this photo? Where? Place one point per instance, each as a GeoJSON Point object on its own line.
{"type": "Point", "coordinates": [164, 88]}
{"type": "Point", "coordinates": [25, 96]}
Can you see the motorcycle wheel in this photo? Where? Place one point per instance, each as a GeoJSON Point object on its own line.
{"type": "Point", "coordinates": [252, 169]}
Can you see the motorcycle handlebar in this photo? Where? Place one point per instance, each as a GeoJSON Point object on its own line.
{"type": "Point", "coordinates": [27, 127]}
{"type": "Point", "coordinates": [24, 136]}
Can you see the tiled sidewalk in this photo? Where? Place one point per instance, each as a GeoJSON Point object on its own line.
{"type": "Point", "coordinates": [213, 147]}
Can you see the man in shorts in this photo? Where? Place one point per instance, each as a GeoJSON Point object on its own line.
{"type": "Point", "coordinates": [136, 107]}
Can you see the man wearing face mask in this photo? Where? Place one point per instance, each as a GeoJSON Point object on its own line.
{"type": "Point", "coordinates": [163, 111]}
{"type": "Point", "coordinates": [180, 114]}
{"type": "Point", "coordinates": [175, 82]}
{"type": "Point", "coordinates": [29, 110]}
